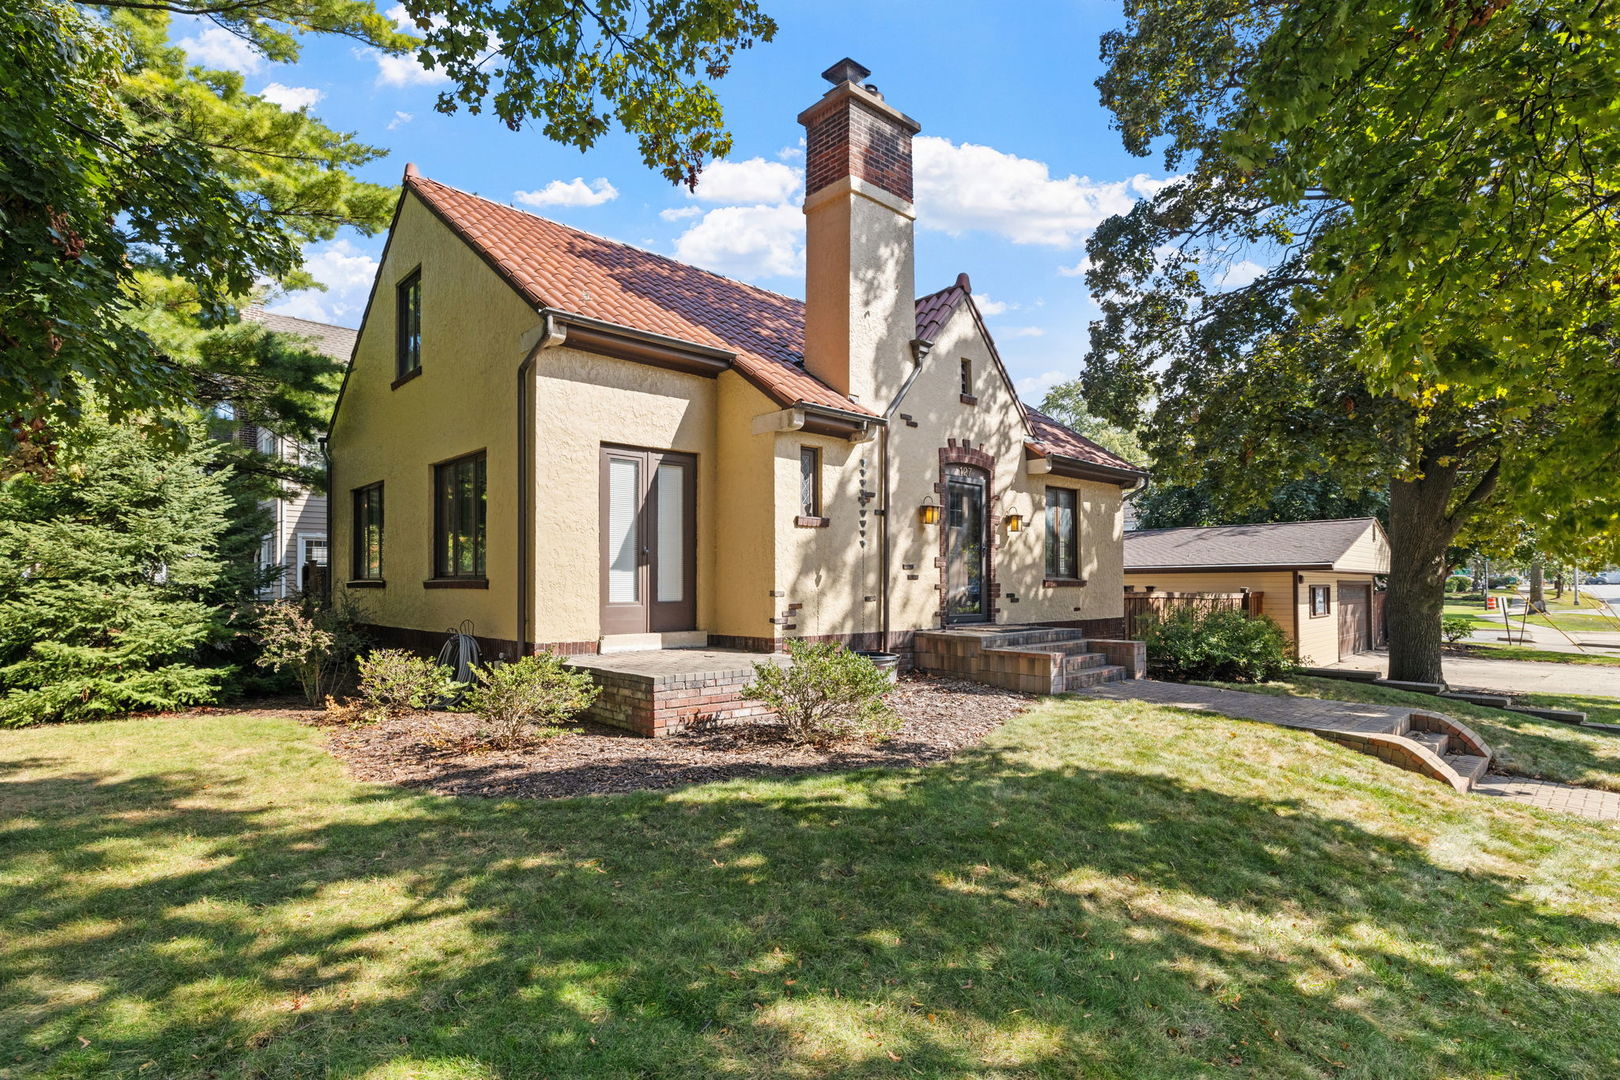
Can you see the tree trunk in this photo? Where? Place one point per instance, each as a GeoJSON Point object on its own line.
{"type": "Point", "coordinates": [1558, 585]}
{"type": "Point", "coordinates": [1538, 583]}
{"type": "Point", "coordinates": [1419, 533]}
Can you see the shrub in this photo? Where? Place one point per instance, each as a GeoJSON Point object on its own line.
{"type": "Point", "coordinates": [1459, 584]}
{"type": "Point", "coordinates": [1222, 645]}
{"type": "Point", "coordinates": [828, 694]}
{"type": "Point", "coordinates": [528, 697]}
{"type": "Point", "coordinates": [316, 644]}
{"type": "Point", "coordinates": [1455, 628]}
{"type": "Point", "coordinates": [393, 681]}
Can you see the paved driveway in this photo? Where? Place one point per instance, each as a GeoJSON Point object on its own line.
{"type": "Point", "coordinates": [1510, 676]}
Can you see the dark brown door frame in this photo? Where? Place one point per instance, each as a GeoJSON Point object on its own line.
{"type": "Point", "coordinates": [648, 614]}
{"type": "Point", "coordinates": [972, 477]}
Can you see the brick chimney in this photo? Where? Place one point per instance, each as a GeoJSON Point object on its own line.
{"type": "Point", "coordinates": [860, 262]}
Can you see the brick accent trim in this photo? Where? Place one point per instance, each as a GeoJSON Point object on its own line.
{"type": "Point", "coordinates": [964, 453]}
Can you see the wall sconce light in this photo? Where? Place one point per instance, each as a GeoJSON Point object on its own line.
{"type": "Point", "coordinates": [928, 512]}
{"type": "Point", "coordinates": [1015, 522]}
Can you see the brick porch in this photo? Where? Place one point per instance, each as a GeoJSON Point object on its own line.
{"type": "Point", "coordinates": [664, 691]}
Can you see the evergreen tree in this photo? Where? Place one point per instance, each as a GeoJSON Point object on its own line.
{"type": "Point", "coordinates": [116, 583]}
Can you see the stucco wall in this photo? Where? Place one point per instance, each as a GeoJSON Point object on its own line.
{"type": "Point", "coordinates": [472, 326]}
{"type": "Point", "coordinates": [825, 574]}
{"type": "Point", "coordinates": [993, 424]}
{"type": "Point", "coordinates": [745, 542]}
{"type": "Point", "coordinates": [583, 401]}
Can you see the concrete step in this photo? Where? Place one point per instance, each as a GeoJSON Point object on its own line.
{"type": "Point", "coordinates": [1093, 676]}
{"type": "Point", "coordinates": [1081, 661]}
{"type": "Point", "coordinates": [1436, 742]}
{"type": "Point", "coordinates": [1468, 766]}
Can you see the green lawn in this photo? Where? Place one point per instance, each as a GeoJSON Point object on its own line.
{"type": "Point", "coordinates": [1104, 890]}
{"type": "Point", "coordinates": [1494, 651]}
{"type": "Point", "coordinates": [1526, 745]}
{"type": "Point", "coordinates": [1563, 613]}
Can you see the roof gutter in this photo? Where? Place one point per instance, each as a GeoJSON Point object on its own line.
{"type": "Point", "coordinates": [641, 346]}
{"type": "Point", "coordinates": [1080, 469]}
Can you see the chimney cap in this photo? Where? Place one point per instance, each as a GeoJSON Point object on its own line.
{"type": "Point", "coordinates": [846, 70]}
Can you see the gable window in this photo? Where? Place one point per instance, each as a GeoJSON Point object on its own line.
{"type": "Point", "coordinates": [368, 533]}
{"type": "Point", "coordinates": [809, 483]}
{"type": "Point", "coordinates": [458, 519]}
{"type": "Point", "coordinates": [968, 397]}
{"type": "Point", "coordinates": [408, 337]}
{"type": "Point", "coordinates": [1321, 600]}
{"type": "Point", "coordinates": [1062, 535]}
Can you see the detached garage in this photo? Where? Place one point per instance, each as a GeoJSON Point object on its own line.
{"type": "Point", "coordinates": [1315, 579]}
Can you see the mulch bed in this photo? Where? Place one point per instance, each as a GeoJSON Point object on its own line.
{"type": "Point", "coordinates": [437, 751]}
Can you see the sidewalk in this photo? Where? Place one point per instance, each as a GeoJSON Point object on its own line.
{"type": "Point", "coordinates": [1507, 676]}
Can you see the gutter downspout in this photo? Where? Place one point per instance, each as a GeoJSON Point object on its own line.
{"type": "Point", "coordinates": [551, 335]}
{"type": "Point", "coordinates": [331, 554]}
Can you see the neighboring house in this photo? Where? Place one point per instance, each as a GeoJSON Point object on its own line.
{"type": "Point", "coordinates": [297, 539]}
{"type": "Point", "coordinates": [1317, 579]}
{"type": "Point", "coordinates": [583, 446]}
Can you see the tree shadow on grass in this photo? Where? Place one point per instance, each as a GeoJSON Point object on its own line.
{"type": "Point", "coordinates": [980, 918]}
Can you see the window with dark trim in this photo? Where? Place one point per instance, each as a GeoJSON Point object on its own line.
{"type": "Point", "coordinates": [967, 377]}
{"type": "Point", "coordinates": [408, 315]}
{"type": "Point", "coordinates": [458, 518]}
{"type": "Point", "coordinates": [809, 481]}
{"type": "Point", "coordinates": [1062, 534]}
{"type": "Point", "coordinates": [368, 533]}
{"type": "Point", "coordinates": [1321, 600]}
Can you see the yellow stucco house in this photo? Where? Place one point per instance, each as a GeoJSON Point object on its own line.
{"type": "Point", "coordinates": [585, 447]}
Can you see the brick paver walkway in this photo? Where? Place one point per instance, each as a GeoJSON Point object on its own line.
{"type": "Point", "coordinates": [1296, 712]}
{"type": "Point", "coordinates": [1586, 802]}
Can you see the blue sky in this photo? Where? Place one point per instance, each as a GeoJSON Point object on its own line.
{"type": "Point", "coordinates": [1016, 162]}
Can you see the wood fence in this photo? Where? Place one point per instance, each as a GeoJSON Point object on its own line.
{"type": "Point", "coordinates": [1158, 604]}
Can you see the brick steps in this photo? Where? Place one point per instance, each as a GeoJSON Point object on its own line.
{"type": "Point", "coordinates": [1033, 659]}
{"type": "Point", "coordinates": [1086, 678]}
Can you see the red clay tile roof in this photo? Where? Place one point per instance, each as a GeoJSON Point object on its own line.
{"type": "Point", "coordinates": [554, 266]}
{"type": "Point", "coordinates": [935, 309]}
{"type": "Point", "coordinates": [551, 265]}
{"type": "Point", "coordinates": [1052, 437]}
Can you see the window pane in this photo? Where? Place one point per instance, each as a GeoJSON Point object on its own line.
{"type": "Point", "coordinates": [809, 481]}
{"type": "Point", "coordinates": [671, 562]}
{"type": "Point", "coordinates": [480, 503]}
{"type": "Point", "coordinates": [624, 532]}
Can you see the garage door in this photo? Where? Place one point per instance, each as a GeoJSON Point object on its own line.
{"type": "Point", "coordinates": [1355, 617]}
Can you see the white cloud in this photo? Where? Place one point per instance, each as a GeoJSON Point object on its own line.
{"type": "Point", "coordinates": [402, 70]}
{"type": "Point", "coordinates": [792, 153]}
{"type": "Point", "coordinates": [218, 48]}
{"type": "Point", "coordinates": [679, 213]}
{"type": "Point", "coordinates": [347, 271]}
{"type": "Point", "coordinates": [291, 97]}
{"type": "Point", "coordinates": [400, 120]}
{"type": "Point", "coordinates": [400, 17]}
{"type": "Point", "coordinates": [1078, 269]}
{"type": "Point", "coordinates": [575, 192]}
{"type": "Point", "coordinates": [1021, 331]}
{"type": "Point", "coordinates": [988, 307]}
{"type": "Point", "coordinates": [968, 187]}
{"type": "Point", "coordinates": [755, 182]}
{"type": "Point", "coordinates": [1035, 387]}
{"type": "Point", "coordinates": [1242, 273]}
{"type": "Point", "coordinates": [747, 241]}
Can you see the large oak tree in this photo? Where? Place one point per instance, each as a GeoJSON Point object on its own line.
{"type": "Point", "coordinates": [1392, 253]}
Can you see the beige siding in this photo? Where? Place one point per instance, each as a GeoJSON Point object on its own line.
{"type": "Point", "coordinates": [1276, 585]}
{"type": "Point", "coordinates": [1369, 554]}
